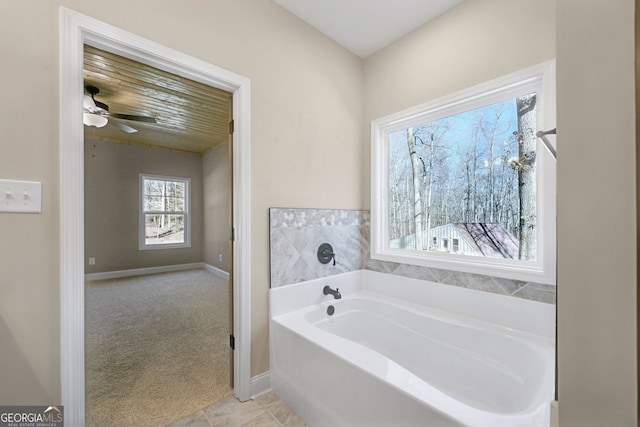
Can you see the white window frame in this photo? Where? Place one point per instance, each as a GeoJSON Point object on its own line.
{"type": "Point", "coordinates": [187, 214]}
{"type": "Point", "coordinates": [539, 79]}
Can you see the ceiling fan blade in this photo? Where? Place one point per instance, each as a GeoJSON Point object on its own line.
{"type": "Point", "coordinates": [132, 117]}
{"type": "Point", "coordinates": [93, 106]}
{"type": "Point", "coordinates": [123, 127]}
{"type": "Point", "coordinates": [89, 104]}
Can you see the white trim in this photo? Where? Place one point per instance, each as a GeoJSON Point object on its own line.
{"type": "Point", "coordinates": [215, 270]}
{"type": "Point", "coordinates": [260, 384]}
{"type": "Point", "coordinates": [555, 414]}
{"type": "Point", "coordinates": [541, 79]}
{"type": "Point", "coordinates": [75, 31]}
{"type": "Point", "coordinates": [116, 274]}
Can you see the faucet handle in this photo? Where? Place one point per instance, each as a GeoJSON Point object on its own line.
{"type": "Point", "coordinates": [326, 254]}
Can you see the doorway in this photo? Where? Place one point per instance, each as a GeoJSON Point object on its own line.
{"type": "Point", "coordinates": [76, 31]}
{"type": "Point", "coordinates": [157, 195]}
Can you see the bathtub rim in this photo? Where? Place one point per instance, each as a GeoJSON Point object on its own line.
{"type": "Point", "coordinates": [503, 310]}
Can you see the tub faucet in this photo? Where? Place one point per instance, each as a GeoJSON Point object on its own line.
{"type": "Point", "coordinates": [336, 294]}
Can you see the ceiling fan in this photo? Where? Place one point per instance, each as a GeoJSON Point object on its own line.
{"type": "Point", "coordinates": [97, 113]}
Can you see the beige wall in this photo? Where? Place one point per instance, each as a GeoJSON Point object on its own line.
{"type": "Point", "coordinates": [596, 191]}
{"type": "Point", "coordinates": [476, 42]}
{"type": "Point", "coordinates": [29, 247]}
{"type": "Point", "coordinates": [471, 44]}
{"type": "Point", "coordinates": [112, 204]}
{"type": "Point", "coordinates": [482, 40]}
{"type": "Point", "coordinates": [217, 205]}
{"type": "Point", "coordinates": [307, 148]}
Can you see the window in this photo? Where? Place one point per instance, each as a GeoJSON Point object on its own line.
{"type": "Point", "coordinates": [164, 212]}
{"type": "Point", "coordinates": [469, 170]}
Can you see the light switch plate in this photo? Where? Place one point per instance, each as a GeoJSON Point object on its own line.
{"type": "Point", "coordinates": [20, 196]}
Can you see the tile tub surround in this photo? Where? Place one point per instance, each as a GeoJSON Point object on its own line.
{"type": "Point", "coordinates": [297, 233]}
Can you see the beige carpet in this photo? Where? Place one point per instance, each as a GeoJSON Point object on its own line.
{"type": "Point", "coordinates": [156, 347]}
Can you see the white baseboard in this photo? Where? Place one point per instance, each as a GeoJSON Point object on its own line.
{"type": "Point", "coordinates": [215, 270]}
{"type": "Point", "coordinates": [142, 271]}
{"type": "Point", "coordinates": [555, 416]}
{"type": "Point", "coordinates": [260, 384]}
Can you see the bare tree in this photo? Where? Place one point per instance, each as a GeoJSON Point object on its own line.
{"type": "Point", "coordinates": [400, 190]}
{"type": "Point", "coordinates": [463, 168]}
{"type": "Point", "coordinates": [490, 129]}
{"type": "Point", "coordinates": [417, 199]}
{"type": "Point", "coordinates": [526, 111]}
{"type": "Point", "coordinates": [432, 158]}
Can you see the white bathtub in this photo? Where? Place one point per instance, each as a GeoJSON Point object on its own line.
{"type": "Point", "coordinates": [404, 352]}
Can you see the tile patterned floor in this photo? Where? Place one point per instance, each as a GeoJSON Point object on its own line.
{"type": "Point", "coordinates": [265, 411]}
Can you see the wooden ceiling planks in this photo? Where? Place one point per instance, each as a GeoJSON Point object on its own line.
{"type": "Point", "coordinates": [190, 116]}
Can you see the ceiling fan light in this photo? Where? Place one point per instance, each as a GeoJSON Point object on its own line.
{"type": "Point", "coordinates": [94, 120]}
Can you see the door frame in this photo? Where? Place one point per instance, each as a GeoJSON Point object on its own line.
{"type": "Point", "coordinates": [75, 31]}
